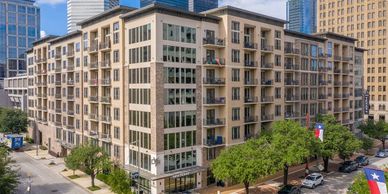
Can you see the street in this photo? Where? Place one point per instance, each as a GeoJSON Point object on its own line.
{"type": "Point", "coordinates": [44, 179]}
{"type": "Point", "coordinates": [337, 182]}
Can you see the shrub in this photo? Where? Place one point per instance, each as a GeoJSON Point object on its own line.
{"type": "Point", "coordinates": [119, 182]}
{"type": "Point", "coordinates": [103, 178]}
{"type": "Point", "coordinates": [42, 147]}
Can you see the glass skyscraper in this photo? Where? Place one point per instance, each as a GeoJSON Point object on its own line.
{"type": "Point", "coordinates": [19, 28]}
{"type": "Point", "coordinates": [302, 15]}
{"type": "Point", "coordinates": [188, 5]}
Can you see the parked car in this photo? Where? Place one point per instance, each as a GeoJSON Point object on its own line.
{"type": "Point", "coordinates": [290, 189]}
{"type": "Point", "coordinates": [348, 166]}
{"type": "Point", "coordinates": [316, 168]}
{"type": "Point", "coordinates": [382, 153]}
{"type": "Point", "coordinates": [362, 161]}
{"type": "Point", "coordinates": [313, 180]}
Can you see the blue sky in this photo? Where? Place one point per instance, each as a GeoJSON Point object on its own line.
{"type": "Point", "coordinates": [53, 15]}
{"type": "Point", "coordinates": [53, 12]}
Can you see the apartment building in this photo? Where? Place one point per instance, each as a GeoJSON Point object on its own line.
{"type": "Point", "coordinates": [165, 90]}
{"type": "Point", "coordinates": [16, 89]}
{"type": "Point", "coordinates": [366, 21]}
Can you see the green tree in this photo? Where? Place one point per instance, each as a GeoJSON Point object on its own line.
{"type": "Point", "coordinates": [9, 178]}
{"type": "Point", "coordinates": [119, 182]}
{"type": "Point", "coordinates": [292, 143]}
{"type": "Point", "coordinates": [367, 143]}
{"type": "Point", "coordinates": [91, 159]}
{"type": "Point", "coordinates": [72, 160]}
{"type": "Point", "coordinates": [376, 130]}
{"type": "Point", "coordinates": [245, 163]}
{"type": "Point", "coordinates": [13, 120]}
{"type": "Point", "coordinates": [348, 144]}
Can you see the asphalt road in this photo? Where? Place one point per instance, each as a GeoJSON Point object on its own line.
{"type": "Point", "coordinates": [43, 179]}
{"type": "Point", "coordinates": [337, 182]}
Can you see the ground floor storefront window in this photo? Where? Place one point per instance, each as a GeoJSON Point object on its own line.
{"type": "Point", "coordinates": [180, 184]}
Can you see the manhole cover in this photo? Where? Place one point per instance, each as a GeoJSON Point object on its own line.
{"type": "Point", "coordinates": [53, 191]}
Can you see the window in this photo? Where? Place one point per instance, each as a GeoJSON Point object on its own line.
{"type": "Point", "coordinates": [116, 93]}
{"type": "Point", "coordinates": [235, 114]}
{"type": "Point", "coordinates": [116, 133]}
{"type": "Point", "coordinates": [177, 33]}
{"type": "Point", "coordinates": [77, 47]}
{"type": "Point", "coordinates": [116, 114]}
{"type": "Point", "coordinates": [179, 119]}
{"type": "Point", "coordinates": [235, 93]}
{"type": "Point", "coordinates": [116, 75]}
{"type": "Point", "coordinates": [179, 54]}
{"type": "Point", "coordinates": [177, 96]}
{"type": "Point", "coordinates": [235, 32]}
{"type": "Point", "coordinates": [179, 140]}
{"type": "Point", "coordinates": [235, 75]}
{"type": "Point", "coordinates": [179, 75]}
{"type": "Point", "coordinates": [278, 76]}
{"type": "Point", "coordinates": [140, 118]}
{"type": "Point", "coordinates": [139, 55]}
{"type": "Point", "coordinates": [235, 132]}
{"type": "Point", "coordinates": [278, 60]}
{"type": "Point", "coordinates": [116, 56]}
{"type": "Point", "coordinates": [139, 34]}
{"type": "Point", "coordinates": [235, 56]}
{"type": "Point", "coordinates": [278, 110]}
{"type": "Point", "coordinates": [278, 93]}
{"type": "Point", "coordinates": [139, 96]}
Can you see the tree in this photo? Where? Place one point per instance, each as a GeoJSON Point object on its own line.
{"type": "Point", "coordinates": [367, 143]}
{"type": "Point", "coordinates": [9, 178]}
{"type": "Point", "coordinates": [72, 160]}
{"type": "Point", "coordinates": [13, 120]}
{"type": "Point", "coordinates": [119, 182]}
{"type": "Point", "coordinates": [91, 159]}
{"type": "Point", "coordinates": [245, 163]}
{"type": "Point", "coordinates": [376, 130]}
{"type": "Point", "coordinates": [292, 143]}
{"type": "Point", "coordinates": [348, 144]}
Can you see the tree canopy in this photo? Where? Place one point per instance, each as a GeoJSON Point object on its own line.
{"type": "Point", "coordinates": [376, 130]}
{"type": "Point", "coordinates": [13, 120]}
{"type": "Point", "coordinates": [245, 163]}
{"type": "Point", "coordinates": [9, 178]}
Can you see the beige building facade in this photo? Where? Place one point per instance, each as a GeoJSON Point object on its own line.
{"type": "Point", "coordinates": [365, 20]}
{"type": "Point", "coordinates": [166, 90]}
{"type": "Point", "coordinates": [16, 89]}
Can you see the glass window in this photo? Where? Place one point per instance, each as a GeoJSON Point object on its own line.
{"type": "Point", "coordinates": [31, 20]}
{"type": "Point", "coordinates": [31, 10]}
{"type": "Point", "coordinates": [12, 29]}
{"type": "Point", "coordinates": [11, 7]}
{"type": "Point", "coordinates": [21, 30]}
{"type": "Point", "coordinates": [12, 52]}
{"type": "Point", "coordinates": [31, 31]}
{"type": "Point", "coordinates": [12, 41]}
{"type": "Point", "coordinates": [11, 18]}
{"type": "Point", "coordinates": [22, 19]}
{"type": "Point", "coordinates": [22, 42]}
{"type": "Point", "coordinates": [21, 9]}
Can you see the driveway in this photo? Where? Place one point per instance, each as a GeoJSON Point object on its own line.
{"type": "Point", "coordinates": [44, 179]}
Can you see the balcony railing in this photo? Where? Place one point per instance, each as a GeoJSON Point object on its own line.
{"type": "Point", "coordinates": [105, 99]}
{"type": "Point", "coordinates": [70, 67]}
{"type": "Point", "coordinates": [291, 114]}
{"type": "Point", "coordinates": [93, 82]}
{"type": "Point", "coordinates": [251, 119]}
{"type": "Point", "coordinates": [93, 46]}
{"type": "Point", "coordinates": [70, 82]}
{"type": "Point", "coordinates": [267, 99]}
{"type": "Point", "coordinates": [105, 64]}
{"type": "Point", "coordinates": [214, 42]}
{"type": "Point", "coordinates": [291, 82]}
{"type": "Point", "coordinates": [337, 70]}
{"type": "Point", "coordinates": [106, 137]}
{"type": "Point", "coordinates": [105, 82]}
{"type": "Point", "coordinates": [70, 97]}
{"type": "Point", "coordinates": [266, 65]}
{"type": "Point", "coordinates": [337, 110]}
{"type": "Point", "coordinates": [250, 45]}
{"type": "Point", "coordinates": [93, 65]}
{"type": "Point", "coordinates": [267, 117]}
{"type": "Point", "coordinates": [213, 61]}
{"type": "Point", "coordinates": [337, 58]}
{"type": "Point", "coordinates": [214, 141]}
{"type": "Point", "coordinates": [70, 112]}
{"type": "Point", "coordinates": [105, 44]}
{"type": "Point", "coordinates": [214, 122]}
{"type": "Point", "coordinates": [267, 48]}
{"type": "Point", "coordinates": [58, 95]}
{"type": "Point", "coordinates": [93, 98]}
{"type": "Point", "coordinates": [346, 58]}
{"type": "Point", "coordinates": [58, 56]}
{"type": "Point", "coordinates": [213, 80]}
{"type": "Point", "coordinates": [251, 81]}
{"type": "Point", "coordinates": [106, 118]}
{"type": "Point", "coordinates": [251, 99]}
{"type": "Point", "coordinates": [322, 97]}
{"type": "Point", "coordinates": [289, 50]}
{"type": "Point", "coordinates": [250, 63]}
{"type": "Point", "coordinates": [290, 66]}
{"type": "Point", "coordinates": [266, 82]}
{"type": "Point", "coordinates": [70, 53]}
{"type": "Point", "coordinates": [212, 100]}
{"type": "Point", "coordinates": [292, 98]}
{"type": "Point", "coordinates": [93, 116]}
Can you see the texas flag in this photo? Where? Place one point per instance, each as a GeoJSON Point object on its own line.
{"type": "Point", "coordinates": [319, 131]}
{"type": "Point", "coordinates": [376, 181]}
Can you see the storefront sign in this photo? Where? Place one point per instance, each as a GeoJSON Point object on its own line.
{"type": "Point", "coordinates": [366, 103]}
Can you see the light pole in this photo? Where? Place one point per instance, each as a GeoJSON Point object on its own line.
{"type": "Point", "coordinates": [36, 137]}
{"type": "Point", "coordinates": [138, 164]}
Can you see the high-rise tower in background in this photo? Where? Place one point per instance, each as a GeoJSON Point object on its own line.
{"type": "Point", "coordinates": [78, 10]}
{"type": "Point", "coordinates": [19, 27]}
{"type": "Point", "coordinates": [302, 15]}
{"type": "Point", "coordinates": [188, 5]}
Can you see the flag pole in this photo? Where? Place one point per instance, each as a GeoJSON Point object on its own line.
{"type": "Point", "coordinates": [306, 172]}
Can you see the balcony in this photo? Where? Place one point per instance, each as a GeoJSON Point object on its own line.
{"type": "Point", "coordinates": [70, 82]}
{"type": "Point", "coordinates": [105, 45]}
{"type": "Point", "coordinates": [58, 110]}
{"type": "Point", "coordinates": [291, 115]}
{"type": "Point", "coordinates": [291, 82]}
{"type": "Point", "coordinates": [250, 100]}
{"type": "Point", "coordinates": [267, 117]}
{"type": "Point", "coordinates": [105, 82]}
{"type": "Point", "coordinates": [70, 97]}
{"type": "Point", "coordinates": [40, 95]}
{"type": "Point", "coordinates": [41, 60]}
{"type": "Point", "coordinates": [106, 137]}
{"type": "Point", "coordinates": [215, 122]}
{"type": "Point", "coordinates": [105, 64]}
{"type": "Point", "coordinates": [70, 53]}
{"type": "Point", "coordinates": [93, 47]}
{"type": "Point", "coordinates": [93, 82]}
{"type": "Point", "coordinates": [93, 99]}
{"type": "Point", "coordinates": [250, 63]}
{"type": "Point", "coordinates": [70, 67]}
{"type": "Point", "coordinates": [220, 62]}
{"type": "Point", "coordinates": [347, 59]}
{"type": "Point", "coordinates": [213, 42]}
{"type": "Point", "coordinates": [291, 98]}
{"type": "Point", "coordinates": [322, 83]}
{"type": "Point", "coordinates": [266, 82]}
{"type": "Point", "coordinates": [346, 122]}
{"type": "Point", "coordinates": [291, 51]}
{"type": "Point", "coordinates": [93, 65]}
{"type": "Point", "coordinates": [252, 82]}
{"type": "Point", "coordinates": [322, 97]}
{"type": "Point", "coordinates": [42, 72]}
{"type": "Point", "coordinates": [105, 99]}
{"type": "Point", "coordinates": [214, 101]}
{"type": "Point", "coordinates": [337, 71]}
{"type": "Point", "coordinates": [70, 127]}
{"type": "Point", "coordinates": [106, 118]}
{"type": "Point", "coordinates": [58, 56]}
{"type": "Point", "coordinates": [322, 69]}
{"type": "Point", "coordinates": [93, 117]}
{"type": "Point", "coordinates": [337, 83]}
{"type": "Point", "coordinates": [345, 95]}
{"type": "Point", "coordinates": [251, 119]}
{"type": "Point", "coordinates": [213, 81]}
{"type": "Point", "coordinates": [58, 83]}
{"type": "Point", "coordinates": [214, 141]}
{"type": "Point", "coordinates": [58, 69]}
{"type": "Point", "coordinates": [292, 67]}
{"type": "Point", "coordinates": [337, 110]}
{"type": "Point", "coordinates": [337, 96]}
{"type": "Point", "coordinates": [93, 134]}
{"type": "Point", "coordinates": [337, 58]}
{"type": "Point", "coordinates": [266, 65]}
{"type": "Point", "coordinates": [345, 109]}
{"type": "Point", "coordinates": [250, 45]}
{"type": "Point", "coordinates": [346, 71]}
{"type": "Point", "coordinates": [267, 99]}
{"type": "Point", "coordinates": [58, 123]}
{"type": "Point", "coordinates": [266, 48]}
{"type": "Point", "coordinates": [322, 111]}
{"type": "Point", "coordinates": [58, 95]}
{"type": "Point", "coordinates": [70, 112]}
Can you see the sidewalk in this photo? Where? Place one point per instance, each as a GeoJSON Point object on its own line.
{"type": "Point", "coordinates": [83, 181]}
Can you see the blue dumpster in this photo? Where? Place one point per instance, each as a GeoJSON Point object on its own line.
{"type": "Point", "coordinates": [15, 141]}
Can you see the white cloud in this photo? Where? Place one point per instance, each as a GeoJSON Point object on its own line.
{"type": "Point", "coordinates": [274, 8]}
{"type": "Point", "coordinates": [51, 2]}
{"type": "Point", "coordinates": [42, 34]}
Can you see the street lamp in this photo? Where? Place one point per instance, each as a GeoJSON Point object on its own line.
{"type": "Point", "coordinates": [138, 163]}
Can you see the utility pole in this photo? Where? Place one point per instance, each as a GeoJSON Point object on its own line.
{"type": "Point", "coordinates": [36, 137]}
